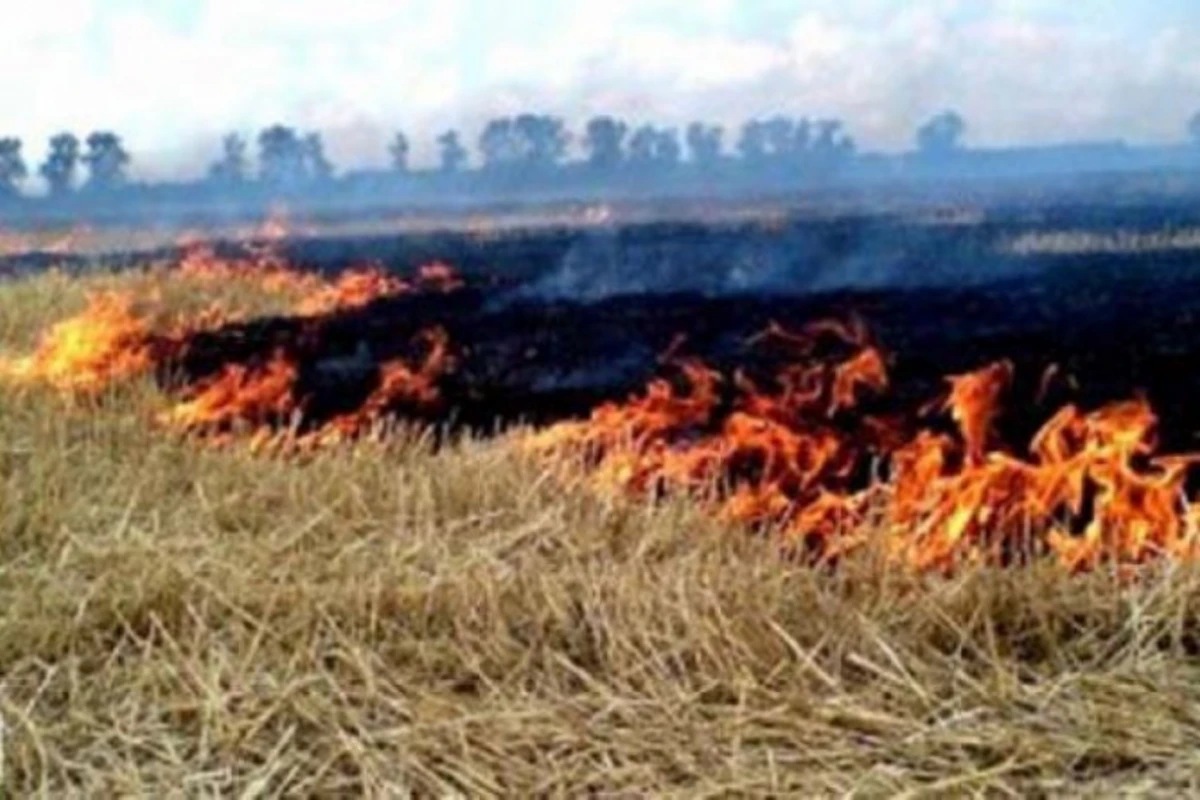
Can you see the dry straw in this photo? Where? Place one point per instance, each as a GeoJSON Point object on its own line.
{"type": "Point", "coordinates": [389, 620]}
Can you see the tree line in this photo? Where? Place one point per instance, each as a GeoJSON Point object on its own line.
{"type": "Point", "coordinates": [102, 155]}
{"type": "Point", "coordinates": [532, 144]}
{"type": "Point", "coordinates": [524, 145]}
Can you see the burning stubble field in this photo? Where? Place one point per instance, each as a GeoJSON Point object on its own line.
{"type": "Point", "coordinates": [274, 531]}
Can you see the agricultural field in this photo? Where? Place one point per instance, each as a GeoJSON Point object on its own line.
{"type": "Point", "coordinates": [861, 507]}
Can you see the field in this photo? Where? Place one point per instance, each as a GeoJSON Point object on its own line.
{"type": "Point", "coordinates": [442, 610]}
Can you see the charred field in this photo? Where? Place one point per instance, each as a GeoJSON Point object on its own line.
{"type": "Point", "coordinates": [856, 506]}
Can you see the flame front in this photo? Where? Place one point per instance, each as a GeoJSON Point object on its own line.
{"type": "Point", "coordinates": [106, 343]}
{"type": "Point", "coordinates": [793, 459]}
{"type": "Point", "coordinates": [239, 395]}
{"type": "Point", "coordinates": [400, 383]}
{"type": "Point", "coordinates": [798, 450]}
{"type": "Point", "coordinates": [109, 343]}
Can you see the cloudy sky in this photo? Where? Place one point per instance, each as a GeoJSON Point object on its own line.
{"type": "Point", "coordinates": [172, 75]}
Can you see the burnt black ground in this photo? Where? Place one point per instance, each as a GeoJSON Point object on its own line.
{"type": "Point", "coordinates": [1115, 330]}
{"type": "Point", "coordinates": [555, 321]}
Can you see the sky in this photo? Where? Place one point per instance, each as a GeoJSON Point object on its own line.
{"type": "Point", "coordinates": [172, 76]}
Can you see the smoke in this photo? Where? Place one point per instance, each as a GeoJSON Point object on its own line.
{"type": "Point", "coordinates": [802, 259]}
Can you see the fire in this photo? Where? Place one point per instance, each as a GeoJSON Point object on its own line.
{"type": "Point", "coordinates": [275, 227]}
{"type": "Point", "coordinates": [1089, 492]}
{"type": "Point", "coordinates": [813, 447]}
{"type": "Point", "coordinates": [974, 403]}
{"type": "Point", "coordinates": [270, 273]}
{"type": "Point", "coordinates": [265, 271]}
{"type": "Point", "coordinates": [1077, 460]}
{"type": "Point", "coordinates": [109, 342]}
{"type": "Point", "coordinates": [777, 450]}
{"type": "Point", "coordinates": [266, 404]}
{"type": "Point", "coordinates": [239, 395]}
{"type": "Point", "coordinates": [400, 383]}
{"type": "Point", "coordinates": [352, 289]}
{"type": "Point", "coordinates": [106, 343]}
{"type": "Point", "coordinates": [438, 277]}
{"type": "Point", "coordinates": [866, 371]}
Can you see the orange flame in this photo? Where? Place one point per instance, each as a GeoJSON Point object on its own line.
{"type": "Point", "coordinates": [239, 395]}
{"type": "Point", "coordinates": [108, 342]}
{"type": "Point", "coordinates": [974, 403]}
{"type": "Point", "coordinates": [272, 274]}
{"type": "Point", "coordinates": [105, 343]}
{"type": "Point", "coordinates": [399, 383]}
{"type": "Point", "coordinates": [263, 402]}
{"type": "Point", "coordinates": [266, 271]}
{"type": "Point", "coordinates": [352, 289]}
{"type": "Point", "coordinates": [775, 459]}
{"type": "Point", "coordinates": [438, 277]}
{"type": "Point", "coordinates": [792, 452]}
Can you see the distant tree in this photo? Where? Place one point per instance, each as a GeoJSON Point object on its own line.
{"type": "Point", "coordinates": [643, 145]}
{"type": "Point", "coordinates": [656, 147]}
{"type": "Point", "coordinates": [288, 160]}
{"type": "Point", "coordinates": [775, 140]}
{"type": "Point", "coordinates": [317, 166]}
{"type": "Point", "coordinates": [452, 155]}
{"type": "Point", "coordinates": [705, 143]}
{"type": "Point", "coordinates": [543, 139]}
{"type": "Point", "coordinates": [831, 146]}
{"type": "Point", "coordinates": [61, 164]}
{"type": "Point", "coordinates": [1194, 129]}
{"type": "Point", "coordinates": [779, 136]}
{"type": "Point", "coordinates": [498, 143]}
{"type": "Point", "coordinates": [106, 160]}
{"type": "Point", "coordinates": [668, 150]}
{"type": "Point", "coordinates": [604, 142]}
{"type": "Point", "coordinates": [12, 167]}
{"type": "Point", "coordinates": [528, 141]}
{"type": "Point", "coordinates": [752, 143]}
{"type": "Point", "coordinates": [941, 135]}
{"type": "Point", "coordinates": [230, 169]}
{"type": "Point", "coordinates": [398, 151]}
{"type": "Point", "coordinates": [282, 157]}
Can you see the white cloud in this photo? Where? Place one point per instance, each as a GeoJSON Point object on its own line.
{"type": "Point", "coordinates": [171, 82]}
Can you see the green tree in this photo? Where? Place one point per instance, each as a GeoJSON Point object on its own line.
{"type": "Point", "coordinates": [61, 165]}
{"type": "Point", "coordinates": [452, 155]}
{"type": "Point", "coordinates": [231, 168]}
{"type": "Point", "coordinates": [106, 160]}
{"type": "Point", "coordinates": [12, 167]}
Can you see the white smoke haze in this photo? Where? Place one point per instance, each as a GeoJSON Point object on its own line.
{"type": "Point", "coordinates": [173, 77]}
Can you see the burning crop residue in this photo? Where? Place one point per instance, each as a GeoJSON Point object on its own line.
{"type": "Point", "coordinates": [813, 435]}
{"type": "Point", "coordinates": [264, 269]}
{"type": "Point", "coordinates": [106, 343]}
{"type": "Point", "coordinates": [267, 405]}
{"type": "Point", "coordinates": [121, 336]}
{"type": "Point", "coordinates": [798, 457]}
{"type": "Point", "coordinates": [359, 287]}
